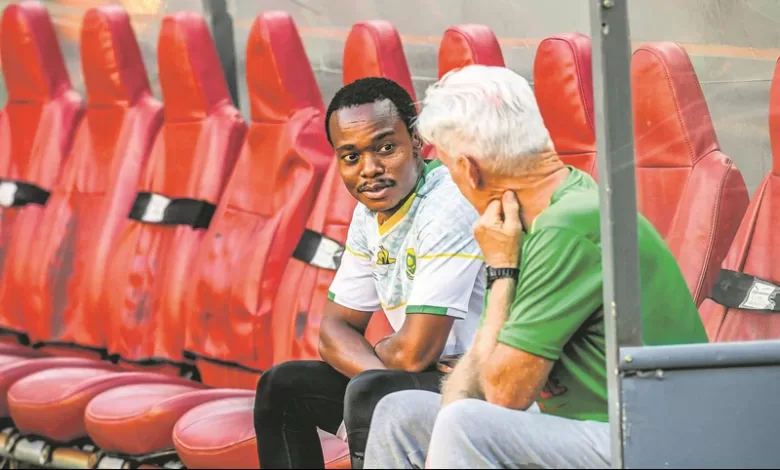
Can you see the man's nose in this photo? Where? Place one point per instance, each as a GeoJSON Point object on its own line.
{"type": "Point", "coordinates": [371, 166]}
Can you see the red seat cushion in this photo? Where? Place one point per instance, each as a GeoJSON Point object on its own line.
{"type": "Point", "coordinates": [192, 157]}
{"type": "Point", "coordinates": [234, 446]}
{"type": "Point", "coordinates": [51, 403]}
{"type": "Point", "coordinates": [13, 369]}
{"type": "Point", "coordinates": [16, 349]}
{"type": "Point", "coordinates": [139, 419]}
{"type": "Point", "coordinates": [265, 208]}
{"type": "Point", "coordinates": [755, 249]}
{"type": "Point", "coordinates": [563, 85]}
{"type": "Point", "coordinates": [469, 44]}
{"type": "Point", "coordinates": [51, 280]}
{"type": "Point", "coordinates": [39, 120]}
{"type": "Point", "coordinates": [690, 190]}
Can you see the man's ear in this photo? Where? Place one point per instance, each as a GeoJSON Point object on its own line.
{"type": "Point", "coordinates": [471, 169]}
{"type": "Point", "coordinates": [417, 143]}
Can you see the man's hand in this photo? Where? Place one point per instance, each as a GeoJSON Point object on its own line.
{"type": "Point", "coordinates": [499, 232]}
{"type": "Point", "coordinates": [343, 344]}
{"type": "Point", "coordinates": [418, 344]}
{"type": "Point", "coordinates": [463, 382]}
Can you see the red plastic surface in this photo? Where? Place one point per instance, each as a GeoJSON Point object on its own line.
{"type": "Point", "coordinates": [264, 210]}
{"type": "Point", "coordinates": [139, 419]}
{"type": "Point", "coordinates": [756, 248]}
{"type": "Point", "coordinates": [14, 369]}
{"type": "Point", "coordinates": [374, 49]}
{"type": "Point", "coordinates": [51, 282]}
{"type": "Point", "coordinates": [192, 157]}
{"type": "Point", "coordinates": [469, 44]}
{"type": "Point", "coordinates": [51, 403]}
{"type": "Point", "coordinates": [198, 446]}
{"type": "Point", "coordinates": [39, 120]}
{"type": "Point", "coordinates": [563, 85]}
{"type": "Point", "coordinates": [687, 187]}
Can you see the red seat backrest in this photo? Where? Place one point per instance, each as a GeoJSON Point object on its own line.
{"type": "Point", "coordinates": [691, 192]}
{"type": "Point", "coordinates": [264, 210]}
{"type": "Point", "coordinates": [374, 49]}
{"type": "Point", "coordinates": [50, 281]}
{"type": "Point", "coordinates": [39, 120]}
{"type": "Point", "coordinates": [192, 158]}
{"type": "Point", "coordinates": [563, 85]}
{"type": "Point", "coordinates": [756, 248]}
{"type": "Point", "coordinates": [469, 44]}
{"type": "Point", "coordinates": [301, 301]}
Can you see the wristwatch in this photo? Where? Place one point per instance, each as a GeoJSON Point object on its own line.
{"type": "Point", "coordinates": [498, 273]}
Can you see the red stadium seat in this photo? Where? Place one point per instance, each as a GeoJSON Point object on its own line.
{"type": "Point", "coordinates": [188, 168]}
{"type": "Point", "coordinates": [691, 192]}
{"type": "Point", "coordinates": [110, 148]}
{"type": "Point", "coordinates": [241, 261]}
{"type": "Point", "coordinates": [755, 250]}
{"type": "Point", "coordinates": [469, 44]}
{"type": "Point", "coordinates": [374, 49]}
{"type": "Point", "coordinates": [194, 433]}
{"type": "Point", "coordinates": [563, 85]}
{"type": "Point", "coordinates": [50, 282]}
{"type": "Point", "coordinates": [37, 125]}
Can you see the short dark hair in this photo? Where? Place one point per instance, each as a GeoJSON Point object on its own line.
{"type": "Point", "coordinates": [370, 90]}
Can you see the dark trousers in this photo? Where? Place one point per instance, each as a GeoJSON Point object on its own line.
{"type": "Point", "coordinates": [295, 398]}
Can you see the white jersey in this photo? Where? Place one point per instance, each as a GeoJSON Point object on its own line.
{"type": "Point", "coordinates": [422, 260]}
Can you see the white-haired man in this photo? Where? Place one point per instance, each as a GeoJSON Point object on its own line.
{"type": "Point", "coordinates": [541, 336]}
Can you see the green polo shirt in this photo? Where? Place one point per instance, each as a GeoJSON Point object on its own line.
{"type": "Point", "coordinates": [558, 309]}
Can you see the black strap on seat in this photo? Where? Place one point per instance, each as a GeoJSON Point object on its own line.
{"type": "Point", "coordinates": [318, 250]}
{"type": "Point", "coordinates": [153, 208]}
{"type": "Point", "coordinates": [18, 193]}
{"type": "Point", "coordinates": [743, 291]}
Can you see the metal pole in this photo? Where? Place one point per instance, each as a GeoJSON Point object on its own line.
{"type": "Point", "coordinates": [616, 166]}
{"type": "Point", "coordinates": [222, 32]}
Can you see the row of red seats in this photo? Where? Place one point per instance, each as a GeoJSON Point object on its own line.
{"type": "Point", "coordinates": [687, 187]}
{"type": "Point", "coordinates": [228, 302]}
{"type": "Point", "coordinates": [162, 300]}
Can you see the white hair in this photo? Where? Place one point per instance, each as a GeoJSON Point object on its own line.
{"type": "Point", "coordinates": [487, 113]}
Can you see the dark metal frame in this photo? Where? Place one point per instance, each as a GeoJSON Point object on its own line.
{"type": "Point", "coordinates": [616, 170]}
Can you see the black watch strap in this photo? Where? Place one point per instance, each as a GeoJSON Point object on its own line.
{"type": "Point", "coordinates": [498, 273]}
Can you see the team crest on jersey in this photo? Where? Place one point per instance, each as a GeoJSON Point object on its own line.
{"type": "Point", "coordinates": [383, 256]}
{"type": "Point", "coordinates": [411, 263]}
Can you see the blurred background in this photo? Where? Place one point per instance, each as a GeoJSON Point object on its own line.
{"type": "Point", "coordinates": [734, 44]}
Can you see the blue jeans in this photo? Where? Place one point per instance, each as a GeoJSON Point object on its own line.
{"type": "Point", "coordinates": [408, 426]}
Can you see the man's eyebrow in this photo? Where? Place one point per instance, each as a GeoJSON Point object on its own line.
{"type": "Point", "coordinates": [376, 138]}
{"type": "Point", "coordinates": [345, 147]}
{"type": "Point", "coordinates": [382, 135]}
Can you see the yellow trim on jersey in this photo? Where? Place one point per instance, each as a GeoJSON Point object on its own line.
{"type": "Point", "coordinates": [385, 307]}
{"type": "Point", "coordinates": [399, 214]}
{"type": "Point", "coordinates": [453, 255]}
{"type": "Point", "coordinates": [355, 253]}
